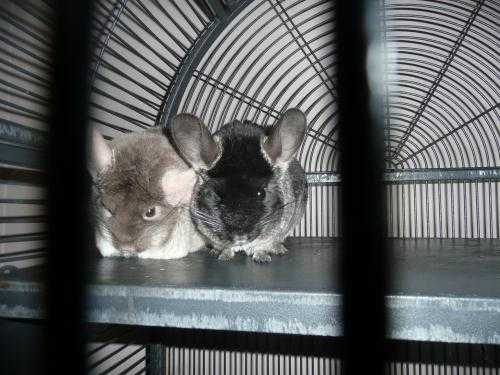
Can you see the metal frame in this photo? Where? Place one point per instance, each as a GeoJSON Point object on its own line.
{"type": "Point", "coordinates": [223, 14]}
{"type": "Point", "coordinates": [21, 146]}
{"type": "Point", "coordinates": [406, 176]}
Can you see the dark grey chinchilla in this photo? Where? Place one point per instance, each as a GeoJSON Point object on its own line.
{"type": "Point", "coordinates": [140, 197]}
{"type": "Point", "coordinates": [251, 190]}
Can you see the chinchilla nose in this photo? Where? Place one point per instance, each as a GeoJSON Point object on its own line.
{"type": "Point", "coordinates": [240, 239]}
{"type": "Point", "coordinates": [124, 236]}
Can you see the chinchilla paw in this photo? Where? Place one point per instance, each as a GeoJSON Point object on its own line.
{"type": "Point", "coordinates": [261, 257]}
{"type": "Point", "coordinates": [280, 249]}
{"type": "Point", "coordinates": [226, 255]}
{"type": "Point", "coordinates": [214, 252]}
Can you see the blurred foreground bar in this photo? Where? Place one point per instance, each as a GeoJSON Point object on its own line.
{"type": "Point", "coordinates": [364, 261]}
{"type": "Point", "coordinates": [68, 189]}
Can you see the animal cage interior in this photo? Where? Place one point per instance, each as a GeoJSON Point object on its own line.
{"type": "Point", "coordinates": [437, 65]}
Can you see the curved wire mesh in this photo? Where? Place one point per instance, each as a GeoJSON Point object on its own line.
{"type": "Point", "coordinates": [441, 84]}
{"type": "Point", "coordinates": [252, 60]}
{"type": "Point", "coordinates": [25, 63]}
{"type": "Point", "coordinates": [273, 56]}
{"type": "Point", "coordinates": [25, 67]}
{"type": "Point", "coordinates": [441, 79]}
{"type": "Point", "coordinates": [138, 47]}
{"type": "Point", "coordinates": [255, 59]}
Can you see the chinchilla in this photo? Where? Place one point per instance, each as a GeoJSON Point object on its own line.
{"type": "Point", "coordinates": [140, 197]}
{"type": "Point", "coordinates": [250, 191]}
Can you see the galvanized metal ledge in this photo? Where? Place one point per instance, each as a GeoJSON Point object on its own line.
{"type": "Point", "coordinates": [442, 290]}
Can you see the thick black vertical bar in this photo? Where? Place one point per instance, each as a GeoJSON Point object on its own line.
{"type": "Point", "coordinates": [363, 256]}
{"type": "Point", "coordinates": [156, 357]}
{"type": "Point", "coordinates": [68, 189]}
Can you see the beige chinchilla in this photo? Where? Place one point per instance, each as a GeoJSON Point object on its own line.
{"type": "Point", "coordinates": [140, 197]}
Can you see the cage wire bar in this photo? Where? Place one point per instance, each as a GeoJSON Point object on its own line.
{"type": "Point", "coordinates": [69, 189]}
{"type": "Point", "coordinates": [361, 147]}
{"type": "Point", "coordinates": [25, 66]}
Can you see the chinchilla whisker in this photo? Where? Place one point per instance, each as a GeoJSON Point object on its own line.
{"type": "Point", "coordinates": [274, 216]}
{"type": "Point", "coordinates": [183, 207]}
{"type": "Point", "coordinates": [206, 219]}
{"type": "Point", "coordinates": [112, 235]}
{"type": "Point", "coordinates": [99, 220]}
{"type": "Point", "coordinates": [209, 222]}
{"type": "Point", "coordinates": [273, 219]}
{"type": "Point", "coordinates": [279, 209]}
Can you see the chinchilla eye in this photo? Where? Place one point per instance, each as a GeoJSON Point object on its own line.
{"type": "Point", "coordinates": [261, 193]}
{"type": "Point", "coordinates": [152, 213]}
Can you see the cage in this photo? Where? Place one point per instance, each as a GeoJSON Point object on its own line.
{"type": "Point", "coordinates": [229, 59]}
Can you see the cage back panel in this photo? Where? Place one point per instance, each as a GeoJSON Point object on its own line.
{"type": "Point", "coordinates": [117, 351]}
{"type": "Point", "coordinates": [440, 83]}
{"type": "Point", "coordinates": [153, 59]}
{"type": "Point", "coordinates": [26, 31]}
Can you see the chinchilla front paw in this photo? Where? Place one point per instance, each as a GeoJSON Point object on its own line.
{"type": "Point", "coordinates": [279, 249]}
{"type": "Point", "coordinates": [261, 257]}
{"type": "Point", "coordinates": [226, 254]}
{"type": "Point", "coordinates": [214, 252]}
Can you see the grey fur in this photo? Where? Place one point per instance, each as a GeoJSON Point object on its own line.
{"type": "Point", "coordinates": [287, 182]}
{"type": "Point", "coordinates": [293, 186]}
{"type": "Point", "coordinates": [128, 187]}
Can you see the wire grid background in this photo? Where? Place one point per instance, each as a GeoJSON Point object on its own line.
{"type": "Point", "coordinates": [441, 110]}
{"type": "Point", "coordinates": [117, 352]}
{"type": "Point", "coordinates": [25, 68]}
{"type": "Point", "coordinates": [441, 88]}
{"type": "Point", "coordinates": [440, 84]}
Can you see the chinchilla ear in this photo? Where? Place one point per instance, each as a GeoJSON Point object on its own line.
{"type": "Point", "coordinates": [193, 141]}
{"type": "Point", "coordinates": [285, 137]}
{"type": "Point", "coordinates": [100, 156]}
{"type": "Point", "coordinates": [178, 186]}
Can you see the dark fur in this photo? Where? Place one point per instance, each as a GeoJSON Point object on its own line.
{"type": "Point", "coordinates": [234, 165]}
{"type": "Point", "coordinates": [229, 194]}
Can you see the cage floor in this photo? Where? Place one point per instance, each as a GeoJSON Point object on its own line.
{"type": "Point", "coordinates": [441, 290]}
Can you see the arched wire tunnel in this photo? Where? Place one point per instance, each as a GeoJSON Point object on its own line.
{"type": "Point", "coordinates": [254, 59]}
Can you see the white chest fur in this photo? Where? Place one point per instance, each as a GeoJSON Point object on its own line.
{"type": "Point", "coordinates": [105, 245]}
{"type": "Point", "coordinates": [184, 240]}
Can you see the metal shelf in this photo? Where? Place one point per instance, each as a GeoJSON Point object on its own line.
{"type": "Point", "coordinates": [442, 290]}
